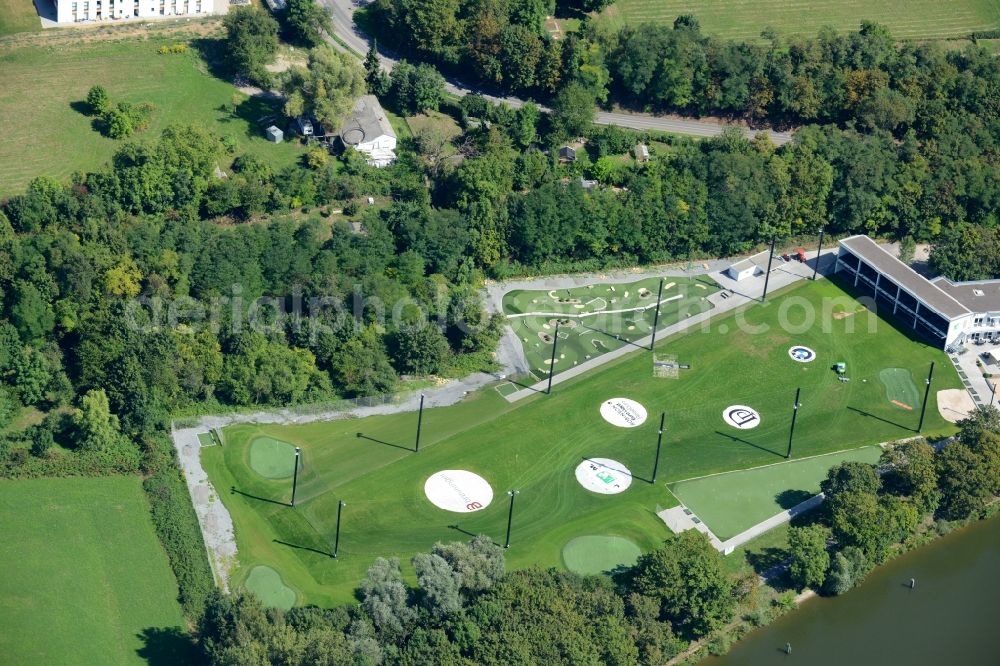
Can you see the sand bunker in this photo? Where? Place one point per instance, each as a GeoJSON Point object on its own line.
{"type": "Point", "coordinates": [955, 404]}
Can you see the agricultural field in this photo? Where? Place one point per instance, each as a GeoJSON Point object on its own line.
{"type": "Point", "coordinates": [51, 135]}
{"type": "Point", "coordinates": [18, 16]}
{"type": "Point", "coordinates": [598, 318]}
{"type": "Point", "coordinates": [906, 19]}
{"type": "Point", "coordinates": [85, 579]}
{"type": "Point", "coordinates": [582, 457]}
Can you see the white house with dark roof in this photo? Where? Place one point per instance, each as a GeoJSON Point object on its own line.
{"type": "Point", "coordinates": [368, 131]}
{"type": "Point", "coordinates": [948, 313]}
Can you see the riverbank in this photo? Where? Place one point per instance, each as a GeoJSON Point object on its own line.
{"type": "Point", "coordinates": [747, 634]}
{"type": "Point", "coordinates": [948, 616]}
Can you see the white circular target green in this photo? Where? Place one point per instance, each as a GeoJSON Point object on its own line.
{"type": "Point", "coordinates": [458, 490]}
{"type": "Point", "coordinates": [802, 354]}
{"type": "Point", "coordinates": [604, 476]}
{"type": "Point", "coordinates": [623, 412]}
{"type": "Point", "coordinates": [741, 416]}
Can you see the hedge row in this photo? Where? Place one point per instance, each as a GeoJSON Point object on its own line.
{"type": "Point", "coordinates": [177, 526]}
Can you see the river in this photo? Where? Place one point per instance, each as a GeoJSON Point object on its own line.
{"type": "Point", "coordinates": [952, 616]}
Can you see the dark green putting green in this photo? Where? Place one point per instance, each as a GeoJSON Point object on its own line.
{"type": "Point", "coordinates": [595, 554]}
{"type": "Point", "coordinates": [266, 583]}
{"type": "Point", "coordinates": [899, 388]}
{"type": "Point", "coordinates": [272, 458]}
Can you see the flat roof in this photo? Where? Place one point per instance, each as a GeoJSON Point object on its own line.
{"type": "Point", "coordinates": [742, 265]}
{"type": "Point", "coordinates": [890, 266]}
{"type": "Point", "coordinates": [982, 296]}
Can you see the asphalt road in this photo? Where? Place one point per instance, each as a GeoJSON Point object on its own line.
{"type": "Point", "coordinates": [341, 13]}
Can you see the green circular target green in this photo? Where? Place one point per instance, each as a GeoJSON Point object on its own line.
{"type": "Point", "coordinates": [595, 554]}
{"type": "Point", "coordinates": [267, 585]}
{"type": "Point", "coordinates": [272, 458]}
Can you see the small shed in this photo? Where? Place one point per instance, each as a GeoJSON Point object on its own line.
{"type": "Point", "coordinates": [642, 153]}
{"type": "Point", "coordinates": [274, 134]}
{"type": "Point", "coordinates": [567, 154]}
{"type": "Point", "coordinates": [742, 270]}
{"type": "Point", "coordinates": [587, 184]}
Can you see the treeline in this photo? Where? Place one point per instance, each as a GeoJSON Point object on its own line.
{"type": "Point", "coordinates": [864, 77]}
{"type": "Point", "coordinates": [526, 211]}
{"type": "Point", "coordinates": [870, 510]}
{"type": "Point", "coordinates": [467, 610]}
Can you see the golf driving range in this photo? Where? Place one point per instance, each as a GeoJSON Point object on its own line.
{"type": "Point", "coordinates": [581, 458]}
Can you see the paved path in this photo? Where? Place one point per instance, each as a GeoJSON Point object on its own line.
{"type": "Point", "coordinates": [347, 34]}
{"type": "Point", "coordinates": [980, 388]}
{"type": "Point", "coordinates": [733, 295]}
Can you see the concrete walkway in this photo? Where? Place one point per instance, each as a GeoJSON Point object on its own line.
{"type": "Point", "coordinates": [733, 295]}
{"type": "Point", "coordinates": [980, 388]}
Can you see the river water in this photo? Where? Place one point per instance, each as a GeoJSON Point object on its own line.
{"type": "Point", "coordinates": [951, 617]}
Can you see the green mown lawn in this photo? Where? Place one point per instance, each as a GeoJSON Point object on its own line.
{"type": "Point", "coordinates": [745, 19]}
{"type": "Point", "coordinates": [736, 501]}
{"type": "Point", "coordinates": [535, 445]}
{"type": "Point", "coordinates": [85, 580]}
{"type": "Point", "coordinates": [46, 131]}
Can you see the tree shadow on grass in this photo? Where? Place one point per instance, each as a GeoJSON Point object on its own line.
{"type": "Point", "coordinates": [749, 443]}
{"type": "Point", "coordinates": [787, 499]}
{"type": "Point", "coordinates": [166, 646]}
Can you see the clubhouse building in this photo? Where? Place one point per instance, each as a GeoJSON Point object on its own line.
{"type": "Point", "coordinates": [949, 314]}
{"type": "Point", "coordinates": [75, 11]}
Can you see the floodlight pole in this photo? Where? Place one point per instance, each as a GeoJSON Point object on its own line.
{"type": "Point", "coordinates": [336, 541]}
{"type": "Point", "coordinates": [795, 413]}
{"type": "Point", "coordinates": [656, 317]}
{"type": "Point", "coordinates": [552, 363]}
{"type": "Point", "coordinates": [659, 441]}
{"type": "Point", "coordinates": [927, 393]}
{"type": "Point", "coordinates": [510, 515]}
{"type": "Point", "coordinates": [818, 250]}
{"type": "Point", "coordinates": [420, 420]}
{"type": "Point", "coordinates": [295, 474]}
{"type": "Point", "coordinates": [767, 275]}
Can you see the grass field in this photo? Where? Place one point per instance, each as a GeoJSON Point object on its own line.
{"type": "Point", "coordinates": [535, 445]}
{"type": "Point", "coordinates": [18, 16]}
{"type": "Point", "coordinates": [736, 501]}
{"type": "Point", "coordinates": [745, 19]}
{"type": "Point", "coordinates": [596, 319]}
{"type": "Point", "coordinates": [47, 134]}
{"type": "Point", "coordinates": [85, 580]}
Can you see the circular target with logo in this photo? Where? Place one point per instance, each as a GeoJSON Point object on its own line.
{"type": "Point", "coordinates": [604, 476]}
{"type": "Point", "coordinates": [802, 354]}
{"type": "Point", "coordinates": [458, 490]}
{"type": "Point", "coordinates": [741, 416]}
{"type": "Point", "coordinates": [623, 412]}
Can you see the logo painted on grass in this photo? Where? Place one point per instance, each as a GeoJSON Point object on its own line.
{"type": "Point", "coordinates": [458, 490]}
{"type": "Point", "coordinates": [741, 416]}
{"type": "Point", "coordinates": [604, 476]}
{"type": "Point", "coordinates": [623, 412]}
{"type": "Point", "coordinates": [802, 354]}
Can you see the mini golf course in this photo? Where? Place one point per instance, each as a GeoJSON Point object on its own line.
{"type": "Point", "coordinates": [536, 445]}
{"type": "Point", "coordinates": [591, 554]}
{"type": "Point", "coordinates": [733, 502]}
{"type": "Point", "coordinates": [598, 318]}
